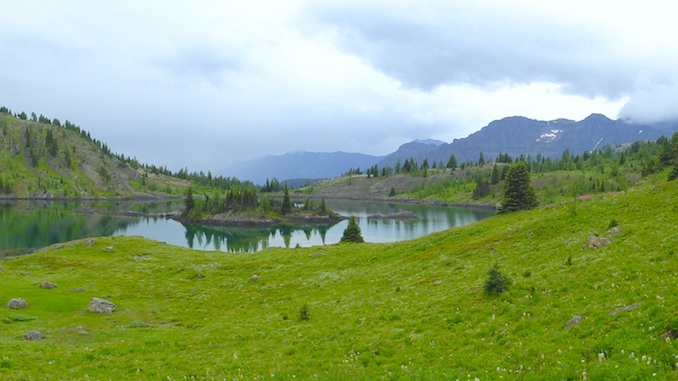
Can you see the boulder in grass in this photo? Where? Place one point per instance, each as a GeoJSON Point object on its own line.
{"type": "Point", "coordinates": [576, 319]}
{"type": "Point", "coordinates": [101, 306]}
{"type": "Point", "coordinates": [33, 335]}
{"type": "Point", "coordinates": [48, 285]}
{"type": "Point", "coordinates": [17, 303]}
{"type": "Point", "coordinates": [595, 242]}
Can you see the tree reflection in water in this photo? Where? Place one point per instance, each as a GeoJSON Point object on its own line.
{"type": "Point", "coordinates": [246, 239]}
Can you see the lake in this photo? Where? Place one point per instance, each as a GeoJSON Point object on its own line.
{"type": "Point", "coordinates": [26, 225]}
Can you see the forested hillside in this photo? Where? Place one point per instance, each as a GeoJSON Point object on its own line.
{"type": "Point", "coordinates": [45, 158]}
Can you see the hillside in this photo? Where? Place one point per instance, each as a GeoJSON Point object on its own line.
{"type": "Point", "coordinates": [41, 159]}
{"type": "Point", "coordinates": [408, 310]}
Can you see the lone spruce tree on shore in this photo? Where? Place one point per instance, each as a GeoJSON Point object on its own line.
{"type": "Point", "coordinates": [352, 232]}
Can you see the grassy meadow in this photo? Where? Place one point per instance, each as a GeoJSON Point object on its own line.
{"type": "Point", "coordinates": [408, 310]}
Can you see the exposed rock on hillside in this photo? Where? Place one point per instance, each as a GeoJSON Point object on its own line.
{"type": "Point", "coordinates": [48, 285]}
{"type": "Point", "coordinates": [33, 335]}
{"type": "Point", "coordinates": [17, 303]}
{"type": "Point", "coordinates": [595, 242]}
{"type": "Point", "coordinates": [101, 306]}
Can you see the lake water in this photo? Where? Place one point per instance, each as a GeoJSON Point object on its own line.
{"type": "Point", "coordinates": [29, 225]}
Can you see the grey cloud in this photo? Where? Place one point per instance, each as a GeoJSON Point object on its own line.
{"type": "Point", "coordinates": [653, 104]}
{"type": "Point", "coordinates": [465, 46]}
{"type": "Point", "coordinates": [200, 61]}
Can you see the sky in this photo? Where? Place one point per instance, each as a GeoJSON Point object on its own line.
{"type": "Point", "coordinates": [205, 84]}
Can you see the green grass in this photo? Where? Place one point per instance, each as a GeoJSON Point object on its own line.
{"type": "Point", "coordinates": [408, 310]}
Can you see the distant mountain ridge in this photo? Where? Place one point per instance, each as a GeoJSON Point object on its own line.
{"type": "Point", "coordinates": [518, 135]}
{"type": "Point", "coordinates": [300, 165]}
{"type": "Point", "coordinates": [514, 135]}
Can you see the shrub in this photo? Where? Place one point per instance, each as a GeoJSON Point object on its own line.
{"type": "Point", "coordinates": [496, 282]}
{"type": "Point", "coordinates": [303, 313]}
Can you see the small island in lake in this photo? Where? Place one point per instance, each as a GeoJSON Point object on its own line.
{"type": "Point", "coordinates": [402, 215]}
{"type": "Point", "coordinates": [245, 208]}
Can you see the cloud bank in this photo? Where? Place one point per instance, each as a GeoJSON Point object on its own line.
{"type": "Point", "coordinates": [208, 83]}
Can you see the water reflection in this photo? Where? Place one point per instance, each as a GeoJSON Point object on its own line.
{"type": "Point", "coordinates": [249, 240]}
{"type": "Point", "coordinates": [23, 228]}
{"type": "Point", "coordinates": [29, 225]}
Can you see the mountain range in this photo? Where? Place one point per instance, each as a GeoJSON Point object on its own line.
{"type": "Point", "coordinates": [514, 135]}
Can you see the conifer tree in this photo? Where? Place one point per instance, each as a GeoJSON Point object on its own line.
{"type": "Point", "coordinates": [189, 202]}
{"type": "Point", "coordinates": [452, 163]}
{"type": "Point", "coordinates": [286, 207]}
{"type": "Point", "coordinates": [519, 194]}
{"type": "Point", "coordinates": [352, 232]}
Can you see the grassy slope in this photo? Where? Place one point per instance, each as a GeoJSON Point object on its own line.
{"type": "Point", "coordinates": [409, 310]}
{"type": "Point", "coordinates": [90, 174]}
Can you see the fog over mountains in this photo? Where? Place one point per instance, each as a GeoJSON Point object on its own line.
{"type": "Point", "coordinates": [513, 135]}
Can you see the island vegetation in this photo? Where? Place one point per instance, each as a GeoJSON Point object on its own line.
{"type": "Point", "coordinates": [243, 206]}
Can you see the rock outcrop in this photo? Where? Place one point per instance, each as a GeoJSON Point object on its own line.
{"type": "Point", "coordinates": [101, 306]}
{"type": "Point", "coordinates": [17, 303]}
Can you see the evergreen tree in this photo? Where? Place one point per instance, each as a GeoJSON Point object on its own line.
{"type": "Point", "coordinates": [452, 163]}
{"type": "Point", "coordinates": [494, 178]}
{"type": "Point", "coordinates": [481, 160]}
{"type": "Point", "coordinates": [496, 282]}
{"type": "Point", "coordinates": [352, 232]}
{"type": "Point", "coordinates": [519, 194]}
{"type": "Point", "coordinates": [189, 202]}
{"type": "Point", "coordinates": [322, 209]}
{"type": "Point", "coordinates": [286, 207]}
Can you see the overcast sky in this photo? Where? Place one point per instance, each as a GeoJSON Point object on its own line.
{"type": "Point", "coordinates": [203, 84]}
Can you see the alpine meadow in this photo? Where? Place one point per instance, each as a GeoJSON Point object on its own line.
{"type": "Point", "coordinates": [338, 190]}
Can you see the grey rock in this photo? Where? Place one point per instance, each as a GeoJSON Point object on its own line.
{"type": "Point", "coordinates": [595, 242]}
{"type": "Point", "coordinates": [109, 248]}
{"type": "Point", "coordinates": [101, 306]}
{"type": "Point", "coordinates": [17, 303]}
{"type": "Point", "coordinates": [668, 335]}
{"type": "Point", "coordinates": [33, 335]}
{"type": "Point", "coordinates": [254, 278]}
{"type": "Point", "coordinates": [628, 308]}
{"type": "Point", "coordinates": [576, 319]}
{"type": "Point", "coordinates": [48, 285]}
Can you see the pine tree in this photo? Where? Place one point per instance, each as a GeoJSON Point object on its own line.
{"type": "Point", "coordinates": [519, 194]}
{"type": "Point", "coordinates": [452, 163]}
{"type": "Point", "coordinates": [189, 202]}
{"type": "Point", "coordinates": [494, 178]}
{"type": "Point", "coordinates": [496, 282]}
{"type": "Point", "coordinates": [352, 232]}
{"type": "Point", "coordinates": [286, 207]}
{"type": "Point", "coordinates": [322, 209]}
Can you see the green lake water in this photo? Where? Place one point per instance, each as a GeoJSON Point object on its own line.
{"type": "Point", "coordinates": [30, 225]}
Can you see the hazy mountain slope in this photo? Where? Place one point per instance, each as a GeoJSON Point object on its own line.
{"type": "Point", "coordinates": [41, 160]}
{"type": "Point", "coordinates": [299, 165]}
